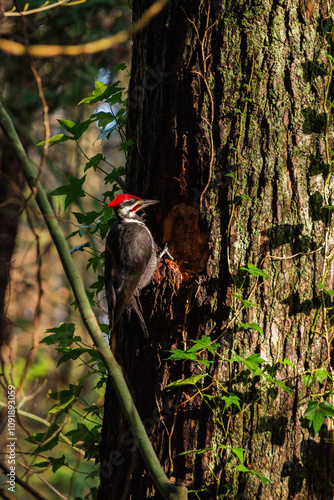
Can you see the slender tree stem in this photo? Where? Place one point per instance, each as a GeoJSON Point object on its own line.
{"type": "Point", "coordinates": [166, 487]}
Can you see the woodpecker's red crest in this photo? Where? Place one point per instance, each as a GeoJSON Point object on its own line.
{"type": "Point", "coordinates": [126, 205]}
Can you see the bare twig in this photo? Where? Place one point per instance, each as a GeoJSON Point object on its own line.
{"type": "Point", "coordinates": [18, 49]}
{"type": "Point", "coordinates": [24, 484]}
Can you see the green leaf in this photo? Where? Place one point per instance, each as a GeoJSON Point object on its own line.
{"type": "Point", "coordinates": [94, 162]}
{"type": "Point", "coordinates": [187, 381]}
{"type": "Point", "coordinates": [60, 408]}
{"type": "Point", "coordinates": [104, 118]}
{"type": "Point", "coordinates": [242, 468]}
{"type": "Point", "coordinates": [57, 463]}
{"type": "Point", "coordinates": [101, 93]}
{"type": "Point", "coordinates": [322, 286]}
{"type": "Point", "coordinates": [63, 335]}
{"type": "Point", "coordinates": [245, 302]}
{"type": "Point", "coordinates": [282, 385]}
{"type": "Point", "coordinates": [57, 139]}
{"type": "Point", "coordinates": [72, 354]}
{"type": "Point", "coordinates": [287, 362]}
{"type": "Point", "coordinates": [87, 218]}
{"type": "Point", "coordinates": [252, 362]}
{"type": "Point", "coordinates": [203, 343]}
{"type": "Point", "coordinates": [73, 190]}
{"type": "Point", "coordinates": [98, 285]}
{"type": "Point", "coordinates": [307, 379]}
{"type": "Point", "coordinates": [77, 129]}
{"type": "Point", "coordinates": [244, 196]}
{"type": "Point", "coordinates": [81, 433]}
{"type": "Point", "coordinates": [255, 271]}
{"type": "Point", "coordinates": [321, 374]}
{"type": "Point", "coordinates": [239, 452]}
{"type": "Point", "coordinates": [263, 479]}
{"type": "Point", "coordinates": [317, 412]}
{"type": "Point", "coordinates": [120, 67]}
{"type": "Point", "coordinates": [114, 175]}
{"type": "Point", "coordinates": [251, 326]}
{"type": "Point", "coordinates": [178, 354]}
{"type": "Point", "coordinates": [199, 451]}
{"type": "Point", "coordinates": [42, 464]}
{"type": "Point", "coordinates": [126, 145]}
{"type": "Point", "coordinates": [231, 399]}
{"type": "Point", "coordinates": [93, 262]}
{"type": "Point", "coordinates": [51, 436]}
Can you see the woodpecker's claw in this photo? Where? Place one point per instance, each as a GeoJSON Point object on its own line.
{"type": "Point", "coordinates": [165, 252]}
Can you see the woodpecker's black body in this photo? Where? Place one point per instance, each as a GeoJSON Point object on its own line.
{"type": "Point", "coordinates": [130, 260]}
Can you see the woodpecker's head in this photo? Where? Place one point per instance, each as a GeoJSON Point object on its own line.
{"type": "Point", "coordinates": [126, 205]}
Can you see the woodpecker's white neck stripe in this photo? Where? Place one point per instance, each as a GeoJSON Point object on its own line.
{"type": "Point", "coordinates": [141, 223]}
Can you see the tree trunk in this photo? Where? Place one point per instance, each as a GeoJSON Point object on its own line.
{"type": "Point", "coordinates": [11, 184]}
{"type": "Point", "coordinates": [238, 88]}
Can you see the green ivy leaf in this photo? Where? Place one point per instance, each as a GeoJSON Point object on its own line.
{"type": "Point", "coordinates": [51, 438]}
{"type": "Point", "coordinates": [98, 285]}
{"type": "Point", "coordinates": [178, 354]}
{"type": "Point", "coordinates": [60, 408]}
{"type": "Point", "coordinates": [252, 362]}
{"type": "Point", "coordinates": [101, 92]}
{"type": "Point", "coordinates": [57, 463]}
{"type": "Point", "coordinates": [262, 478]}
{"type": "Point", "coordinates": [321, 375]}
{"type": "Point", "coordinates": [57, 139]}
{"type": "Point", "coordinates": [231, 399]}
{"type": "Point", "coordinates": [72, 354]}
{"type": "Point", "coordinates": [255, 271]}
{"type": "Point", "coordinates": [88, 218]}
{"type": "Point", "coordinates": [94, 162]}
{"type": "Point", "coordinates": [187, 381]}
{"type": "Point", "coordinates": [317, 412]}
{"type": "Point", "coordinates": [307, 379]}
{"type": "Point", "coordinates": [239, 452]}
{"type": "Point", "coordinates": [77, 129]}
{"type": "Point", "coordinates": [287, 362]}
{"type": "Point", "coordinates": [114, 175]}
{"type": "Point", "coordinates": [63, 335]}
{"type": "Point", "coordinates": [73, 190]}
{"type": "Point", "coordinates": [251, 326]}
{"type": "Point", "coordinates": [199, 451]}
{"type": "Point", "coordinates": [42, 464]}
{"type": "Point", "coordinates": [204, 343]}
{"type": "Point", "coordinates": [322, 286]}
{"type": "Point", "coordinates": [126, 145]}
{"type": "Point", "coordinates": [282, 385]}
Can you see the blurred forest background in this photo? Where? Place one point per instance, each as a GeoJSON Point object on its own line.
{"type": "Point", "coordinates": [34, 293]}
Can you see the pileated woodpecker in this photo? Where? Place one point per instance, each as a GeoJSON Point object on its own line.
{"type": "Point", "coordinates": [130, 260]}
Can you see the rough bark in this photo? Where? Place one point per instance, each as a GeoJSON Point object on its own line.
{"type": "Point", "coordinates": [216, 88]}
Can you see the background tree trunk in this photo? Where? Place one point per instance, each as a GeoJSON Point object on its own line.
{"type": "Point", "coordinates": [220, 88]}
{"type": "Point", "coordinates": [11, 183]}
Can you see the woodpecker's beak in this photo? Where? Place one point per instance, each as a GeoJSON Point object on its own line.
{"type": "Point", "coordinates": [145, 203]}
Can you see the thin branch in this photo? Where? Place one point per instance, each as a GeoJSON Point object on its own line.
{"type": "Point", "coordinates": [18, 49]}
{"type": "Point", "coordinates": [24, 484]}
{"type": "Point", "coordinates": [44, 481]}
{"type": "Point", "coordinates": [41, 9]}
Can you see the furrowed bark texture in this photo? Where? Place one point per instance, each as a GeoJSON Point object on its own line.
{"type": "Point", "coordinates": [230, 87]}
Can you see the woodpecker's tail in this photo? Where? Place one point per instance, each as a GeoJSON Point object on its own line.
{"type": "Point", "coordinates": [137, 308]}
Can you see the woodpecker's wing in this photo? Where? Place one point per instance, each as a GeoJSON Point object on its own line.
{"type": "Point", "coordinates": [129, 248]}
